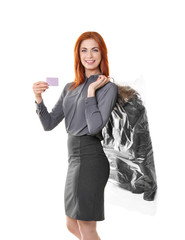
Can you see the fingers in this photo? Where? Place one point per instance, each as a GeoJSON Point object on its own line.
{"type": "Point", "coordinates": [40, 87]}
{"type": "Point", "coordinates": [103, 79]}
{"type": "Point", "coordinates": [41, 83]}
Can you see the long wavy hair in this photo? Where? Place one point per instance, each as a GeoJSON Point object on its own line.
{"type": "Point", "coordinates": [79, 68]}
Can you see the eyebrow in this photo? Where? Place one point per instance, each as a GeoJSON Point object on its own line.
{"type": "Point", "coordinates": [92, 48]}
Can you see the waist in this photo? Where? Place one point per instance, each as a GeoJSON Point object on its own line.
{"type": "Point", "coordinates": [97, 136]}
{"type": "Point", "coordinates": [82, 136]}
{"type": "Point", "coordinates": [84, 142]}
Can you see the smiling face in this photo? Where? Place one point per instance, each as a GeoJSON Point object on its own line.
{"type": "Point", "coordinates": [90, 56]}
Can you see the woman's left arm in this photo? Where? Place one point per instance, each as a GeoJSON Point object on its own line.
{"type": "Point", "coordinates": [97, 112]}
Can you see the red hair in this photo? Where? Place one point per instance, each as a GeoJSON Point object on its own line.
{"type": "Point", "coordinates": [79, 68]}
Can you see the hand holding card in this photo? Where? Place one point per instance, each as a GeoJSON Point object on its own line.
{"type": "Point", "coordinates": [52, 81]}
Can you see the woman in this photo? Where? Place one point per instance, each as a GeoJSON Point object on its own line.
{"type": "Point", "coordinates": [86, 104]}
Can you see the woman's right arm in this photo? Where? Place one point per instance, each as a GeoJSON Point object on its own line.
{"type": "Point", "coordinates": [52, 119]}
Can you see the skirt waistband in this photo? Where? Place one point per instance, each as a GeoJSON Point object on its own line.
{"type": "Point", "coordinates": [97, 136]}
{"type": "Point", "coordinates": [82, 136]}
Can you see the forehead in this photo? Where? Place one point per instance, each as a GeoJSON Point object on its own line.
{"type": "Point", "coordinates": [89, 43]}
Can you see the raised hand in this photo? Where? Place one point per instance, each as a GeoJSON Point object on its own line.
{"type": "Point", "coordinates": [100, 82]}
{"type": "Point", "coordinates": [38, 89]}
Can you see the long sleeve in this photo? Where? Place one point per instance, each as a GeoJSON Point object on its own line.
{"type": "Point", "coordinates": [97, 112]}
{"type": "Point", "coordinates": [52, 119]}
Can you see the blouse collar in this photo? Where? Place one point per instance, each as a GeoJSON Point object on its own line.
{"type": "Point", "coordinates": [92, 76]}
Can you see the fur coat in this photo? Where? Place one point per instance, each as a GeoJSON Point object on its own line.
{"type": "Point", "coordinates": [128, 147]}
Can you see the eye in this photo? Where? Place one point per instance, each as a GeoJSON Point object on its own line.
{"type": "Point", "coordinates": [95, 50]}
{"type": "Point", "coordinates": [83, 50]}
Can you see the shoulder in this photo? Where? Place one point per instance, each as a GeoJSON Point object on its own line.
{"type": "Point", "coordinates": [68, 84]}
{"type": "Point", "coordinates": [108, 91]}
{"type": "Point", "coordinates": [110, 87]}
{"type": "Point", "coordinates": [113, 86]}
{"type": "Point", "coordinates": [66, 87]}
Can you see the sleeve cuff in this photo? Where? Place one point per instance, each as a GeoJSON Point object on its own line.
{"type": "Point", "coordinates": [90, 101]}
{"type": "Point", "coordinates": [39, 106]}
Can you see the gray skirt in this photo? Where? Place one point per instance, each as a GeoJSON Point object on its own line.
{"type": "Point", "coordinates": [87, 175]}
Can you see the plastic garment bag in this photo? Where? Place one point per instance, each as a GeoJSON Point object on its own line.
{"type": "Point", "coordinates": [128, 147]}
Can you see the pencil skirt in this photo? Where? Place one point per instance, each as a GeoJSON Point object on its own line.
{"type": "Point", "coordinates": [87, 175]}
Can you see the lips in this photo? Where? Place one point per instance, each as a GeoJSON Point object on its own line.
{"type": "Point", "coordinates": [90, 61]}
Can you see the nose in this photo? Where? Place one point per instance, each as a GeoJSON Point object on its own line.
{"type": "Point", "coordinates": [89, 54]}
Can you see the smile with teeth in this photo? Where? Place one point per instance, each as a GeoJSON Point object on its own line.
{"type": "Point", "coordinates": [90, 61]}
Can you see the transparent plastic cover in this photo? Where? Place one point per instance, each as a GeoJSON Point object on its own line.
{"type": "Point", "coordinates": [128, 147]}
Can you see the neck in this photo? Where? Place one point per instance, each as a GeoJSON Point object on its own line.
{"type": "Point", "coordinates": [89, 73]}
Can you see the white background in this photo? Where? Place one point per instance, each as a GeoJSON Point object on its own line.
{"type": "Point", "coordinates": [146, 49]}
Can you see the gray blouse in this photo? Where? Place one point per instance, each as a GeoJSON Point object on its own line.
{"type": "Point", "coordinates": [83, 115]}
